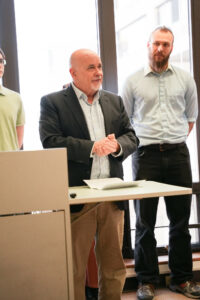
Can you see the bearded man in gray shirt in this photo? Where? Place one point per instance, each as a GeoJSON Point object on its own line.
{"type": "Point", "coordinates": [161, 101]}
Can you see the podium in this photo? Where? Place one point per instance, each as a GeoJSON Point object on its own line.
{"type": "Point", "coordinates": [35, 227]}
{"type": "Point", "coordinates": [35, 239]}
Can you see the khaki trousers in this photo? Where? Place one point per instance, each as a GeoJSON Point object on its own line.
{"type": "Point", "coordinates": [105, 222]}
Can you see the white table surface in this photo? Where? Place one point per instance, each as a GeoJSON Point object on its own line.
{"type": "Point", "coordinates": [147, 189]}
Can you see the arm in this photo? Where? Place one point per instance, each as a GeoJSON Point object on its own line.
{"type": "Point", "coordinates": [127, 96]}
{"type": "Point", "coordinates": [118, 123]}
{"type": "Point", "coordinates": [127, 138]}
{"type": "Point", "coordinates": [20, 135]}
{"type": "Point", "coordinates": [191, 109]}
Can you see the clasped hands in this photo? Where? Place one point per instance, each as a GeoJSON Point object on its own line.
{"type": "Point", "coordinates": [106, 146]}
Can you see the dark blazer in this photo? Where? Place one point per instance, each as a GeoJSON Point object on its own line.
{"type": "Point", "coordinates": [62, 124]}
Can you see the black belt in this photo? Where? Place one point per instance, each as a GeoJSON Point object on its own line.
{"type": "Point", "coordinates": [163, 147]}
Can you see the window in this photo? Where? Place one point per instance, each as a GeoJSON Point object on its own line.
{"type": "Point", "coordinates": [47, 33]}
{"type": "Point", "coordinates": [167, 11]}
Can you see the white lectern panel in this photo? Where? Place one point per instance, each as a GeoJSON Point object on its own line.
{"type": "Point", "coordinates": [33, 257]}
{"type": "Point", "coordinates": [33, 180]}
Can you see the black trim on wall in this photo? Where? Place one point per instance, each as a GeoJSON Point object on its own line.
{"type": "Point", "coordinates": [108, 44]}
{"type": "Point", "coordinates": [8, 42]}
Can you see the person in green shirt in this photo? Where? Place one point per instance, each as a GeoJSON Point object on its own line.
{"type": "Point", "coordinates": [12, 117]}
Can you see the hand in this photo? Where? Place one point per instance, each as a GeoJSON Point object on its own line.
{"type": "Point", "coordinates": [103, 147]}
{"type": "Point", "coordinates": [113, 139]}
{"type": "Point", "coordinates": [106, 146]}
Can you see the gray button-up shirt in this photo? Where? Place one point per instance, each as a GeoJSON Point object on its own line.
{"type": "Point", "coordinates": [161, 105]}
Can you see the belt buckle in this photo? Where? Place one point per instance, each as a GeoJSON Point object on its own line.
{"type": "Point", "coordinates": [161, 148]}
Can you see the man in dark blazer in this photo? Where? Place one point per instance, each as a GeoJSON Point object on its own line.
{"type": "Point", "coordinates": [93, 125]}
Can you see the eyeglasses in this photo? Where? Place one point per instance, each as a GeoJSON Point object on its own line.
{"type": "Point", "coordinates": [2, 61]}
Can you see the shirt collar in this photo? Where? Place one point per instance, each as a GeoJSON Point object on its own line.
{"type": "Point", "coordinates": [148, 70]}
{"type": "Point", "coordinates": [81, 95]}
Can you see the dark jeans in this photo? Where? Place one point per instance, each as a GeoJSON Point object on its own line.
{"type": "Point", "coordinates": [171, 166]}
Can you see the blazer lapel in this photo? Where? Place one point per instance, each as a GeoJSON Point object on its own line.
{"type": "Point", "coordinates": [106, 109]}
{"type": "Point", "coordinates": [76, 110]}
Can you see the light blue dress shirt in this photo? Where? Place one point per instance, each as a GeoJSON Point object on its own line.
{"type": "Point", "coordinates": [161, 105]}
{"type": "Point", "coordinates": [95, 123]}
